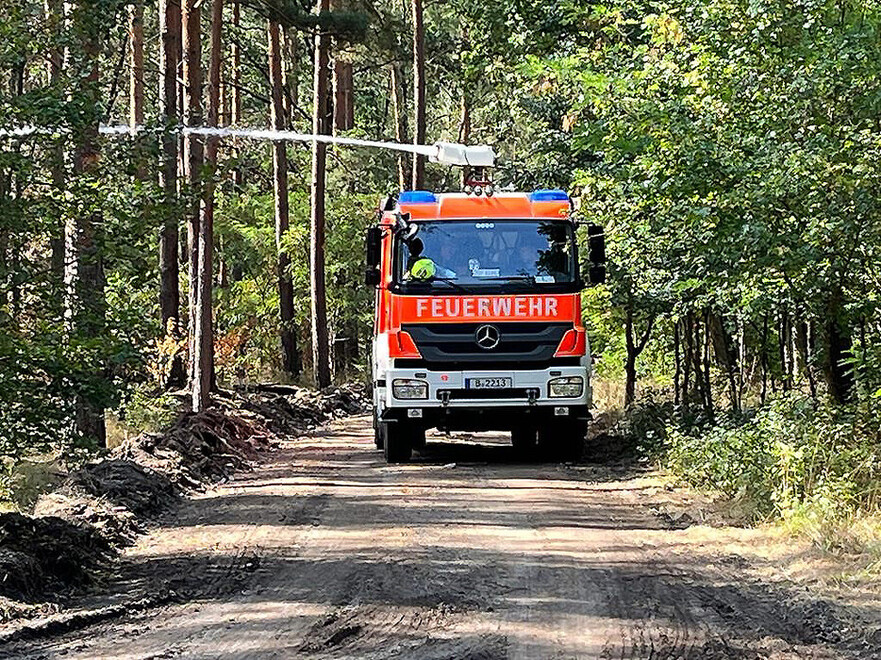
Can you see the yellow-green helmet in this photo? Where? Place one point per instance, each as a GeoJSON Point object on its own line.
{"type": "Point", "coordinates": [423, 269]}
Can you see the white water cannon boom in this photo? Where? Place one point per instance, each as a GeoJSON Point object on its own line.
{"type": "Point", "coordinates": [447, 153]}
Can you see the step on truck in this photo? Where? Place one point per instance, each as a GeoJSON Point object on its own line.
{"type": "Point", "coordinates": [478, 319]}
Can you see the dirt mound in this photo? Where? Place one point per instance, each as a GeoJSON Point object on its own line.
{"type": "Point", "coordinates": [200, 448]}
{"type": "Point", "coordinates": [290, 409]}
{"type": "Point", "coordinates": [48, 554]}
{"type": "Point", "coordinates": [101, 507]}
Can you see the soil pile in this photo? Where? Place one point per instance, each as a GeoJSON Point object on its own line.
{"type": "Point", "coordinates": [78, 528]}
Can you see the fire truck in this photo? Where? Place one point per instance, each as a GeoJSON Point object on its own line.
{"type": "Point", "coordinates": [477, 321]}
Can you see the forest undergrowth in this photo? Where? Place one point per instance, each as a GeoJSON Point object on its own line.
{"type": "Point", "coordinates": [808, 466]}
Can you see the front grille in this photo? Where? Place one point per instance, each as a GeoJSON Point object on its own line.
{"type": "Point", "coordinates": [525, 344]}
{"type": "Point", "coordinates": [486, 365]}
{"type": "Point", "coordinates": [471, 395]}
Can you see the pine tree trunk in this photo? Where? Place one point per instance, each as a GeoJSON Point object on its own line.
{"type": "Point", "coordinates": [320, 126]}
{"type": "Point", "coordinates": [203, 375]}
{"type": "Point", "coordinates": [290, 66]}
{"type": "Point", "coordinates": [169, 291]}
{"type": "Point", "coordinates": [418, 93]}
{"type": "Point", "coordinates": [193, 152]}
{"type": "Point", "coordinates": [400, 117]}
{"type": "Point", "coordinates": [287, 329]}
{"type": "Point", "coordinates": [343, 105]}
{"type": "Point", "coordinates": [85, 308]}
{"type": "Point", "coordinates": [136, 64]}
{"type": "Point", "coordinates": [54, 20]}
{"type": "Point", "coordinates": [236, 91]}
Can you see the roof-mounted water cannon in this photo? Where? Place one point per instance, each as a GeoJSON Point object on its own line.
{"type": "Point", "coordinates": [478, 182]}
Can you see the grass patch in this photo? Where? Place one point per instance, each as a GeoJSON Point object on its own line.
{"type": "Point", "coordinates": [811, 466]}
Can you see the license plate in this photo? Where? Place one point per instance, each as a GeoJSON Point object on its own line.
{"type": "Point", "coordinates": [487, 383]}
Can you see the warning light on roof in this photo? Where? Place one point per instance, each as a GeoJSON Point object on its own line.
{"type": "Point", "coordinates": [549, 195]}
{"type": "Point", "coordinates": [417, 197]}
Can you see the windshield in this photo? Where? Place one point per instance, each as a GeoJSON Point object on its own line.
{"type": "Point", "coordinates": [471, 253]}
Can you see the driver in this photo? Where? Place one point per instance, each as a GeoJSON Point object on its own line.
{"type": "Point", "coordinates": [420, 267]}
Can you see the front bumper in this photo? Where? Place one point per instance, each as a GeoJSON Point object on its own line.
{"type": "Point", "coordinates": [446, 389]}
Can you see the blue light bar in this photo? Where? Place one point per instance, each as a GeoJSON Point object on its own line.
{"type": "Point", "coordinates": [550, 195]}
{"type": "Point", "coordinates": [417, 197]}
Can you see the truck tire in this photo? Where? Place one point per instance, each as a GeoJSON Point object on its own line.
{"type": "Point", "coordinates": [523, 440]}
{"type": "Point", "coordinates": [563, 441]}
{"type": "Point", "coordinates": [398, 441]}
{"type": "Point", "coordinates": [418, 438]}
{"type": "Point", "coordinates": [378, 435]}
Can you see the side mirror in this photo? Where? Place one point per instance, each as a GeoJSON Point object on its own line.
{"type": "Point", "coordinates": [374, 256]}
{"type": "Point", "coordinates": [596, 254]}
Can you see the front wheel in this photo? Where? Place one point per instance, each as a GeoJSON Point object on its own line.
{"type": "Point", "coordinates": [564, 440]}
{"type": "Point", "coordinates": [523, 439]}
{"type": "Point", "coordinates": [398, 441]}
{"type": "Point", "coordinates": [378, 432]}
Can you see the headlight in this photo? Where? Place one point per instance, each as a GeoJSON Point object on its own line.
{"type": "Point", "coordinates": [407, 388]}
{"type": "Point", "coordinates": [568, 387]}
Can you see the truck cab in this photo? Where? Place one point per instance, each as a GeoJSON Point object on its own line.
{"type": "Point", "coordinates": [477, 322]}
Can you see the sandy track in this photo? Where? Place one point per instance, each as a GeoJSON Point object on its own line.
{"type": "Point", "coordinates": [324, 551]}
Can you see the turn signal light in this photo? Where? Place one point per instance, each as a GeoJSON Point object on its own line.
{"type": "Point", "coordinates": [401, 345]}
{"type": "Point", "coordinates": [572, 344]}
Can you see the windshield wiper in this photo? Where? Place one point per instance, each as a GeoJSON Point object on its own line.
{"type": "Point", "coordinates": [452, 283]}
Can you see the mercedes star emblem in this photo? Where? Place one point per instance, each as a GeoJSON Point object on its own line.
{"type": "Point", "coordinates": [487, 337]}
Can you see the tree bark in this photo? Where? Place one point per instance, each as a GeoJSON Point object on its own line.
{"type": "Point", "coordinates": [287, 329]}
{"type": "Point", "coordinates": [398, 105]}
{"type": "Point", "coordinates": [764, 348]}
{"type": "Point", "coordinates": [136, 64]}
{"type": "Point", "coordinates": [203, 375]}
{"type": "Point", "coordinates": [320, 126]}
{"type": "Point", "coordinates": [235, 85]}
{"type": "Point", "coordinates": [726, 355]}
{"type": "Point", "coordinates": [343, 105]}
{"type": "Point", "coordinates": [169, 292]}
{"type": "Point", "coordinates": [54, 20]}
{"type": "Point", "coordinates": [708, 385]}
{"type": "Point", "coordinates": [193, 152]}
{"type": "Point", "coordinates": [634, 348]}
{"type": "Point", "coordinates": [677, 359]}
{"type": "Point", "coordinates": [839, 376]}
{"type": "Point", "coordinates": [85, 308]}
{"type": "Point", "coordinates": [418, 93]}
{"type": "Point", "coordinates": [804, 353]}
{"type": "Point", "coordinates": [290, 67]}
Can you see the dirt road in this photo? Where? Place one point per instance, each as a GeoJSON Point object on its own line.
{"type": "Point", "coordinates": [324, 551]}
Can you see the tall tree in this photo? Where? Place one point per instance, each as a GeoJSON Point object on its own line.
{"type": "Point", "coordinates": [418, 92]}
{"type": "Point", "coordinates": [203, 360]}
{"type": "Point", "coordinates": [193, 152]}
{"type": "Point", "coordinates": [84, 277]}
{"type": "Point", "coordinates": [54, 19]}
{"type": "Point", "coordinates": [136, 63]}
{"type": "Point", "coordinates": [236, 82]}
{"type": "Point", "coordinates": [320, 126]}
{"type": "Point", "coordinates": [169, 287]}
{"type": "Point", "coordinates": [290, 354]}
{"type": "Point", "coordinates": [344, 95]}
{"type": "Point", "coordinates": [290, 67]}
{"type": "Point", "coordinates": [400, 118]}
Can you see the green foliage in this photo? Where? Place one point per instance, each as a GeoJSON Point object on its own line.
{"type": "Point", "coordinates": [791, 454]}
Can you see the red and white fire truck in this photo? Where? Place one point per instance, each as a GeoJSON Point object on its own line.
{"type": "Point", "coordinates": [478, 318]}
